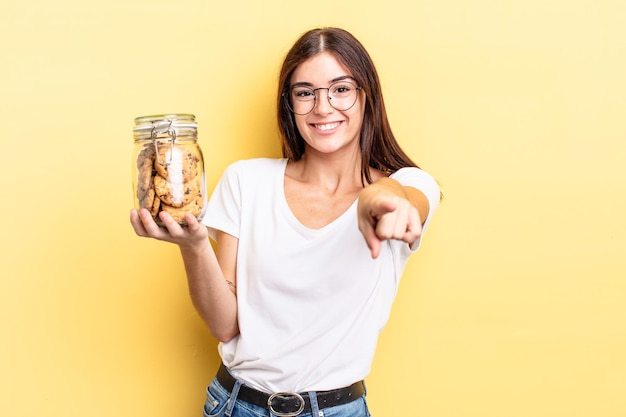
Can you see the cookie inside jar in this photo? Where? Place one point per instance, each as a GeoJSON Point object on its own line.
{"type": "Point", "coordinates": [169, 171]}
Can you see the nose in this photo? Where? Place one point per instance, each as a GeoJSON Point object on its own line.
{"type": "Point", "coordinates": [322, 104]}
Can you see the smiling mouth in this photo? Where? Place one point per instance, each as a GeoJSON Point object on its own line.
{"type": "Point", "coordinates": [327, 126]}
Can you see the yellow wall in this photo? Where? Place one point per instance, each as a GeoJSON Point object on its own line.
{"type": "Point", "coordinates": [514, 307]}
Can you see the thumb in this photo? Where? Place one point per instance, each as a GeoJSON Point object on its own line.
{"type": "Point", "coordinates": [382, 207]}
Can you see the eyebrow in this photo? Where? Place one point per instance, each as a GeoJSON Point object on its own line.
{"type": "Point", "coordinates": [334, 80]}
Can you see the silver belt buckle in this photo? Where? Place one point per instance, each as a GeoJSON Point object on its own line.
{"type": "Point", "coordinates": [283, 396]}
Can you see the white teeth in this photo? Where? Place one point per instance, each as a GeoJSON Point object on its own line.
{"type": "Point", "coordinates": [328, 126]}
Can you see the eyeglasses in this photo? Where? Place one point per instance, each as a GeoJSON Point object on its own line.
{"type": "Point", "coordinates": [342, 96]}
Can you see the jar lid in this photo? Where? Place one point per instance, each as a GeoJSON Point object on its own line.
{"type": "Point", "coordinates": [147, 127]}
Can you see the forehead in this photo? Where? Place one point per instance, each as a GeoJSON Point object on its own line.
{"type": "Point", "coordinates": [320, 69]}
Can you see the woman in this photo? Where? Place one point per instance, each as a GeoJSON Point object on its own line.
{"type": "Point", "coordinates": [310, 248]}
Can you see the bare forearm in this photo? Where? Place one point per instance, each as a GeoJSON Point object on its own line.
{"type": "Point", "coordinates": [210, 293]}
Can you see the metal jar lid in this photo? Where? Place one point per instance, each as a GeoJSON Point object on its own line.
{"type": "Point", "coordinates": [165, 126]}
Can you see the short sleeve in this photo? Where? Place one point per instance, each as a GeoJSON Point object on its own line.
{"type": "Point", "coordinates": [224, 207]}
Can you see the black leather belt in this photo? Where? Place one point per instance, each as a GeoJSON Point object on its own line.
{"type": "Point", "coordinates": [289, 403]}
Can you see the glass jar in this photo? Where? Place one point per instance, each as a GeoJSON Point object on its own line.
{"type": "Point", "coordinates": [168, 167]}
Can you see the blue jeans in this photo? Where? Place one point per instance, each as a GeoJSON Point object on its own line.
{"type": "Point", "coordinates": [218, 405]}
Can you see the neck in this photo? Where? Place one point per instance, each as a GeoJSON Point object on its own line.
{"type": "Point", "coordinates": [330, 171]}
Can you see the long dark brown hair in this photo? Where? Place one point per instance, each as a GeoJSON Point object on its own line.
{"type": "Point", "coordinates": [379, 147]}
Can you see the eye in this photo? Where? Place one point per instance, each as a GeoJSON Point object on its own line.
{"type": "Point", "coordinates": [303, 93]}
{"type": "Point", "coordinates": [342, 89]}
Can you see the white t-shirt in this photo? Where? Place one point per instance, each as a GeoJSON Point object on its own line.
{"type": "Point", "coordinates": [311, 302]}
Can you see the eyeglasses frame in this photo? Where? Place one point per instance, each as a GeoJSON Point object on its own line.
{"type": "Point", "coordinates": [285, 95]}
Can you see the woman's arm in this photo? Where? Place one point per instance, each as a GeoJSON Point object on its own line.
{"type": "Point", "coordinates": [389, 210]}
{"type": "Point", "coordinates": [211, 277]}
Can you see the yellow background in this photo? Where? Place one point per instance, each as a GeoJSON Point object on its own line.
{"type": "Point", "coordinates": [515, 306]}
